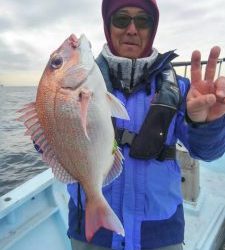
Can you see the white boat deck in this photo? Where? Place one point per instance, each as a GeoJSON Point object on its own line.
{"type": "Point", "coordinates": [205, 219]}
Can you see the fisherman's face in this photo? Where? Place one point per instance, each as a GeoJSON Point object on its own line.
{"type": "Point", "coordinates": [130, 37]}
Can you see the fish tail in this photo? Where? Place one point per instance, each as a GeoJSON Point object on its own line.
{"type": "Point", "coordinates": [99, 214]}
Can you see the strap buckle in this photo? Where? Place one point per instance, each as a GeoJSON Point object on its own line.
{"type": "Point", "coordinates": [125, 137]}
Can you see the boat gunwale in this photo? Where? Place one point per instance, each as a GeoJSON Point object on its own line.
{"type": "Point", "coordinates": [24, 192]}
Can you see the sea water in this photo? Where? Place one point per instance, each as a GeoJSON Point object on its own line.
{"type": "Point", "coordinates": [19, 161]}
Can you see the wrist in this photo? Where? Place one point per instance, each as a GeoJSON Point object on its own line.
{"type": "Point", "coordinates": [191, 122]}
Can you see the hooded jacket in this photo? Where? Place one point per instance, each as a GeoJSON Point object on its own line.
{"type": "Point", "coordinates": [147, 195]}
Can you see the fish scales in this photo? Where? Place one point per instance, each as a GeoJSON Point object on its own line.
{"type": "Point", "coordinates": [71, 128]}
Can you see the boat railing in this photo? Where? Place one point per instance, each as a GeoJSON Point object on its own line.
{"type": "Point", "coordinates": [186, 64]}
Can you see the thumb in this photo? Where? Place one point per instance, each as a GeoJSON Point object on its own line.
{"type": "Point", "coordinates": [201, 102]}
{"type": "Point", "coordinates": [210, 100]}
{"type": "Point", "coordinates": [198, 107]}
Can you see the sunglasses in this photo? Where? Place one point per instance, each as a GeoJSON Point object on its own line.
{"type": "Point", "coordinates": [122, 21]}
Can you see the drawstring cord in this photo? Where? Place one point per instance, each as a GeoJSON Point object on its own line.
{"type": "Point", "coordinates": [79, 209]}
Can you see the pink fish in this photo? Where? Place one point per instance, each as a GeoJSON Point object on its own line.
{"type": "Point", "coordinates": [71, 122]}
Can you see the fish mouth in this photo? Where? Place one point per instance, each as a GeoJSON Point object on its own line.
{"type": "Point", "coordinates": [76, 75]}
{"type": "Point", "coordinates": [74, 41]}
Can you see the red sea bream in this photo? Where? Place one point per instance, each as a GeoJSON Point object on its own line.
{"type": "Point", "coordinates": [71, 122]}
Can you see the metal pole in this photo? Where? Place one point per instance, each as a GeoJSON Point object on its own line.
{"type": "Point", "coordinates": [220, 65]}
{"type": "Point", "coordinates": [185, 71]}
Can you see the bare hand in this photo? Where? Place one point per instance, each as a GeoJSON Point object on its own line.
{"type": "Point", "coordinates": [206, 98]}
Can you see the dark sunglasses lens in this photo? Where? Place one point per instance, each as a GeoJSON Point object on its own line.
{"type": "Point", "coordinates": [121, 21]}
{"type": "Point", "coordinates": [143, 22]}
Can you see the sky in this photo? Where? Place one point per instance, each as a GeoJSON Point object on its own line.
{"type": "Point", "coordinates": [31, 30]}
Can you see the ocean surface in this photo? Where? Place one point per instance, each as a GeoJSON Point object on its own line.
{"type": "Point", "coordinates": [19, 161]}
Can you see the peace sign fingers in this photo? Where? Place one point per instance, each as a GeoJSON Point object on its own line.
{"type": "Point", "coordinates": [210, 71]}
{"type": "Point", "coordinates": [206, 96]}
{"type": "Point", "coordinates": [211, 64]}
{"type": "Point", "coordinates": [196, 71]}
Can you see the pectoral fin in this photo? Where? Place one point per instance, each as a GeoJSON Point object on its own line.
{"type": "Point", "coordinates": [117, 108]}
{"type": "Point", "coordinates": [85, 96]}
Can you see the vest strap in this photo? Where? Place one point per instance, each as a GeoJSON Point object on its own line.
{"type": "Point", "coordinates": [167, 153]}
{"type": "Point", "coordinates": [126, 137]}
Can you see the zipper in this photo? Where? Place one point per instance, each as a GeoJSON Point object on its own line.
{"type": "Point", "coordinates": [132, 73]}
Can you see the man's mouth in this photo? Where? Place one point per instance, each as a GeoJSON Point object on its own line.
{"type": "Point", "coordinates": [130, 43]}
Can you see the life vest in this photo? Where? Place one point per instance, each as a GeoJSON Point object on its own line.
{"type": "Point", "coordinates": [149, 142]}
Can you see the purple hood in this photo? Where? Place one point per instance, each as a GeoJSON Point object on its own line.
{"type": "Point", "coordinates": [111, 6]}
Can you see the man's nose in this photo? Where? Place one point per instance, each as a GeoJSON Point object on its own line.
{"type": "Point", "coordinates": [131, 29]}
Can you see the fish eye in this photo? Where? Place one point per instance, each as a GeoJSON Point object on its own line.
{"type": "Point", "coordinates": [56, 62]}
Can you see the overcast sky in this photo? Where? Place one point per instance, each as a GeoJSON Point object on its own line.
{"type": "Point", "coordinates": [30, 30]}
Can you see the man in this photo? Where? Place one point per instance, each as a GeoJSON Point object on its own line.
{"type": "Point", "coordinates": [162, 107]}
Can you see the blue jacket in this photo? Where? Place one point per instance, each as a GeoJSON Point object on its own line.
{"type": "Point", "coordinates": [147, 195]}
